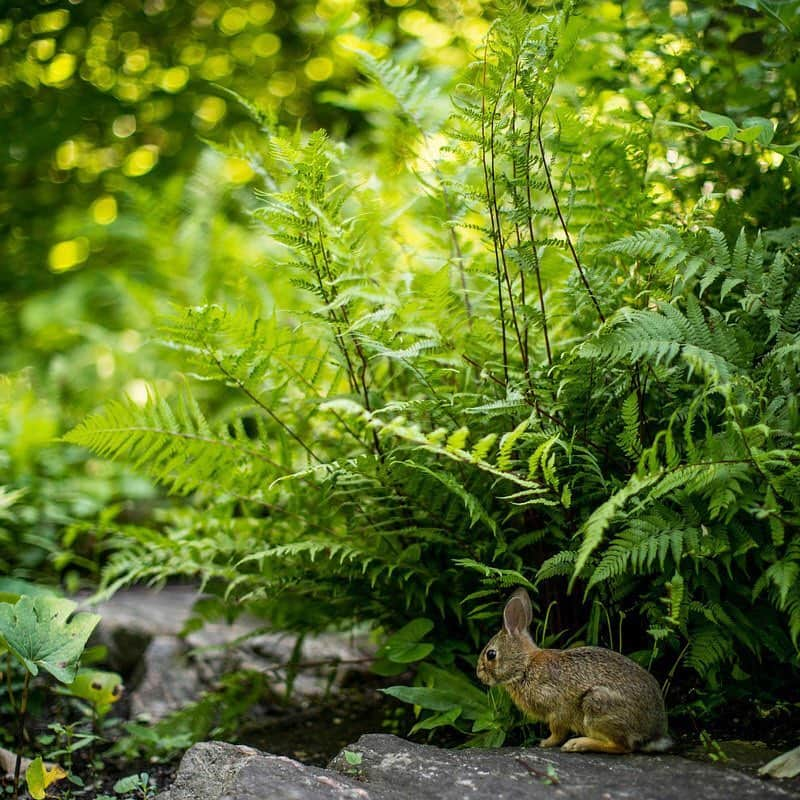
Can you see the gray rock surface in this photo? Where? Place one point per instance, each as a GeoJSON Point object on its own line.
{"type": "Point", "coordinates": [169, 682]}
{"type": "Point", "coordinates": [394, 769]}
{"type": "Point", "coordinates": [220, 771]}
{"type": "Point", "coordinates": [164, 671]}
{"type": "Point", "coordinates": [133, 617]}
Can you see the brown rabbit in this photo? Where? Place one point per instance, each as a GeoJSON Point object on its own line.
{"type": "Point", "coordinates": [613, 704]}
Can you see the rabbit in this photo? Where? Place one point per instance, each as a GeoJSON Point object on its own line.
{"type": "Point", "coordinates": [610, 702]}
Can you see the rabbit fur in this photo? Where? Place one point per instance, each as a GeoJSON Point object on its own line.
{"type": "Point", "coordinates": [610, 702]}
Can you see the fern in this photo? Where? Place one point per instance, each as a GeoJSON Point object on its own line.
{"type": "Point", "coordinates": [507, 364]}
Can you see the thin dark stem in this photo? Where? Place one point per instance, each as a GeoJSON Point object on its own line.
{"type": "Point", "coordinates": [9, 686]}
{"type": "Point", "coordinates": [534, 251]}
{"type": "Point", "coordinates": [541, 412]}
{"type": "Point", "coordinates": [320, 663]}
{"type": "Point", "coordinates": [480, 369]}
{"type": "Point", "coordinates": [751, 455]}
{"type": "Point", "coordinates": [456, 245]}
{"type": "Point", "coordinates": [496, 237]}
{"type": "Point", "coordinates": [263, 406]}
{"type": "Point", "coordinates": [339, 336]}
{"type": "Point", "coordinates": [501, 239]}
{"type": "Point", "coordinates": [668, 680]}
{"type": "Point", "coordinates": [362, 373]}
{"type": "Point", "coordinates": [313, 388]}
{"type": "Point", "coordinates": [522, 336]}
{"type": "Point", "coordinates": [22, 713]}
{"type": "Point", "coordinates": [564, 227]}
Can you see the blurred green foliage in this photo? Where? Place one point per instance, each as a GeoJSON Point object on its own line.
{"type": "Point", "coordinates": [96, 93]}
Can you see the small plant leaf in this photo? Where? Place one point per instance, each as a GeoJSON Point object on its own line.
{"type": "Point", "coordinates": [38, 777]}
{"type": "Point", "coordinates": [131, 783]}
{"type": "Point", "coordinates": [39, 631]}
{"type": "Point", "coordinates": [352, 758]}
{"type": "Point", "coordinates": [99, 688]}
{"type": "Point", "coordinates": [440, 720]}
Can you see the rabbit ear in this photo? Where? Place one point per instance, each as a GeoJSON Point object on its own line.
{"type": "Point", "coordinates": [518, 613]}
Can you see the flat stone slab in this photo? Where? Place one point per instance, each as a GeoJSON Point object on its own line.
{"type": "Point", "coordinates": [394, 769]}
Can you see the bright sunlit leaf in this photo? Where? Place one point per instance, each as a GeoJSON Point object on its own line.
{"type": "Point", "coordinates": [38, 777]}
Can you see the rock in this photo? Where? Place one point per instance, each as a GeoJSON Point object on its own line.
{"type": "Point", "coordinates": [220, 771]}
{"type": "Point", "coordinates": [132, 617]}
{"type": "Point", "coordinates": [393, 769]}
{"type": "Point", "coordinates": [786, 765]}
{"type": "Point", "coordinates": [163, 671]}
{"type": "Point", "coordinates": [169, 682]}
{"type": "Point", "coordinates": [325, 659]}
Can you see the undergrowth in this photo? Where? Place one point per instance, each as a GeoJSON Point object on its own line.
{"type": "Point", "coordinates": [505, 360]}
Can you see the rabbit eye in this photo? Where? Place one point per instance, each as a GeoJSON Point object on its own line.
{"type": "Point", "coordinates": [491, 655]}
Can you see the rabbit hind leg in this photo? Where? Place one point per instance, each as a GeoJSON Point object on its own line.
{"type": "Point", "coordinates": [589, 744]}
{"type": "Point", "coordinates": [604, 723]}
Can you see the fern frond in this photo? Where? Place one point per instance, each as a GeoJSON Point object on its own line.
{"type": "Point", "coordinates": [176, 446]}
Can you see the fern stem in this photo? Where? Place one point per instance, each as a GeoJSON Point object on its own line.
{"type": "Point", "coordinates": [501, 240]}
{"type": "Point", "coordinates": [534, 251]}
{"type": "Point", "coordinates": [9, 684]}
{"type": "Point", "coordinates": [751, 455]}
{"type": "Point", "coordinates": [523, 340]}
{"type": "Point", "coordinates": [496, 241]}
{"type": "Point", "coordinates": [193, 437]}
{"type": "Point", "coordinates": [563, 222]}
{"type": "Point", "coordinates": [263, 406]}
{"type": "Point", "coordinates": [311, 386]}
{"type": "Point", "coordinates": [362, 372]}
{"type": "Point", "coordinates": [456, 245]}
{"type": "Point", "coordinates": [671, 674]}
{"type": "Point", "coordinates": [336, 324]}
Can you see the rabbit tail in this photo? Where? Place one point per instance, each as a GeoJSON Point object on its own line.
{"type": "Point", "coordinates": [657, 745]}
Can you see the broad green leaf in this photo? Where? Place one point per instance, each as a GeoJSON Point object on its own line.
{"type": "Point", "coordinates": [717, 134]}
{"type": "Point", "coordinates": [454, 681]}
{"type": "Point", "coordinates": [438, 699]}
{"type": "Point", "coordinates": [404, 646]}
{"type": "Point", "coordinates": [99, 688]}
{"type": "Point", "coordinates": [408, 652]}
{"type": "Point", "coordinates": [39, 631]}
{"type": "Point", "coordinates": [413, 631]}
{"type": "Point", "coordinates": [721, 126]}
{"type": "Point", "coordinates": [785, 149]}
{"type": "Point", "coordinates": [11, 589]}
{"type": "Point", "coordinates": [386, 668]}
{"type": "Point", "coordinates": [39, 777]}
{"type": "Point", "coordinates": [439, 720]}
{"type": "Point", "coordinates": [756, 129]}
{"type": "Point", "coordinates": [132, 783]}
